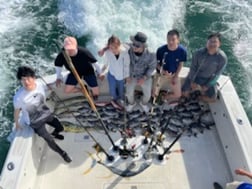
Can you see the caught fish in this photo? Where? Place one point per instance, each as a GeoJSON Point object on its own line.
{"type": "Point", "coordinates": [207, 118]}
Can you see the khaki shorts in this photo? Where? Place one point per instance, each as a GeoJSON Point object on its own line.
{"type": "Point", "coordinates": [233, 185]}
{"type": "Point", "coordinates": [164, 84]}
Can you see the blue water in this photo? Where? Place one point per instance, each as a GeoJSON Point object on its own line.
{"type": "Point", "coordinates": [31, 30]}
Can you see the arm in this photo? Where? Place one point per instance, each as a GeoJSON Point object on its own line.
{"type": "Point", "coordinates": [59, 62]}
{"type": "Point", "coordinates": [193, 67]}
{"type": "Point", "coordinates": [216, 75]}
{"type": "Point", "coordinates": [16, 117]}
{"type": "Point", "coordinates": [152, 65]}
{"type": "Point", "coordinates": [243, 173]}
{"type": "Point", "coordinates": [176, 74]}
{"type": "Point", "coordinates": [126, 65]}
{"type": "Point", "coordinates": [102, 51]}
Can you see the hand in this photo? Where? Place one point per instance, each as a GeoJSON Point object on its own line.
{"type": "Point", "coordinates": [101, 52]}
{"type": "Point", "coordinates": [195, 86]}
{"type": "Point", "coordinates": [241, 172]}
{"type": "Point", "coordinates": [128, 80]}
{"type": "Point", "coordinates": [168, 74]}
{"type": "Point", "coordinates": [174, 80]}
{"type": "Point", "coordinates": [140, 81]}
{"type": "Point", "coordinates": [58, 82]}
{"type": "Point", "coordinates": [101, 77]}
{"type": "Point", "coordinates": [204, 88]}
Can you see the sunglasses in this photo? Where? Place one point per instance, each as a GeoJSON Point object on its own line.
{"type": "Point", "coordinates": [136, 45]}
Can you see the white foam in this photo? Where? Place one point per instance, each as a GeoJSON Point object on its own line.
{"type": "Point", "coordinates": [102, 18]}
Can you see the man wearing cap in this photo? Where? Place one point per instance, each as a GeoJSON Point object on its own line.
{"type": "Point", "coordinates": [83, 62]}
{"type": "Point", "coordinates": [142, 64]}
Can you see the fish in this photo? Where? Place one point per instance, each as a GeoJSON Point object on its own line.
{"type": "Point", "coordinates": [207, 118]}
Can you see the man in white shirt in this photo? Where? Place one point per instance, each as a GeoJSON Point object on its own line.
{"type": "Point", "coordinates": [30, 109]}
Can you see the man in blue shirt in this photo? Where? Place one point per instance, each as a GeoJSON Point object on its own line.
{"type": "Point", "coordinates": [235, 184]}
{"type": "Point", "coordinates": [171, 58]}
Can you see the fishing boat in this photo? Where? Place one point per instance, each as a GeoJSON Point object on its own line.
{"type": "Point", "coordinates": [197, 157]}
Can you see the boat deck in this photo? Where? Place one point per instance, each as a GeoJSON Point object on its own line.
{"type": "Point", "coordinates": [202, 162]}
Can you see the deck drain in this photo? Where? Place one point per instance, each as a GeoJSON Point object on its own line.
{"type": "Point", "coordinates": [133, 187]}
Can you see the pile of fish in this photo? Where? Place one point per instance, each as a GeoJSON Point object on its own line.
{"type": "Point", "coordinates": [187, 115]}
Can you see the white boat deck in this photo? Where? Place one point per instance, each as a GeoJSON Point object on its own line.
{"type": "Point", "coordinates": [202, 162]}
{"type": "Point", "coordinates": [210, 157]}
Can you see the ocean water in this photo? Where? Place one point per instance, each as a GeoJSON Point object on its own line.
{"type": "Point", "coordinates": [32, 30]}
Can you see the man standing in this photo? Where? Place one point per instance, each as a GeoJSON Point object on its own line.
{"type": "Point", "coordinates": [142, 65]}
{"type": "Point", "coordinates": [207, 65]}
{"type": "Point", "coordinates": [82, 60]}
{"type": "Point", "coordinates": [171, 58]}
{"type": "Point", "coordinates": [30, 107]}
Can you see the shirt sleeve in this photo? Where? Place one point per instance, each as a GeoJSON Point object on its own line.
{"type": "Point", "coordinates": [126, 64]}
{"type": "Point", "coordinates": [90, 56]}
{"type": "Point", "coordinates": [159, 56]}
{"type": "Point", "coordinates": [59, 61]}
{"type": "Point", "coordinates": [152, 64]}
{"type": "Point", "coordinates": [184, 55]}
{"type": "Point", "coordinates": [219, 71]}
{"type": "Point", "coordinates": [193, 67]}
{"type": "Point", "coordinates": [16, 101]}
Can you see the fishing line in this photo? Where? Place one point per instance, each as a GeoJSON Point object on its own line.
{"type": "Point", "coordinates": [85, 93]}
{"type": "Point", "coordinates": [109, 157]}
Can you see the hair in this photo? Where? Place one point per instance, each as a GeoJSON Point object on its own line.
{"type": "Point", "coordinates": [114, 40]}
{"type": "Point", "coordinates": [216, 34]}
{"type": "Point", "coordinates": [173, 32]}
{"type": "Point", "coordinates": [25, 71]}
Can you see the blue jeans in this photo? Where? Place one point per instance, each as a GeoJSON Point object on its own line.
{"type": "Point", "coordinates": [116, 87]}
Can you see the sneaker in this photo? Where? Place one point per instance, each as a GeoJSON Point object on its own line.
{"type": "Point", "coordinates": [130, 107]}
{"type": "Point", "coordinates": [145, 107]}
{"type": "Point", "coordinates": [58, 136]}
{"type": "Point", "coordinates": [65, 156]}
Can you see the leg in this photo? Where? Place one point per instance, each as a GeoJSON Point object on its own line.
{"type": "Point", "coordinates": [55, 123]}
{"type": "Point", "coordinates": [146, 88]}
{"type": "Point", "coordinates": [233, 185]}
{"type": "Point", "coordinates": [71, 83]}
{"type": "Point", "coordinates": [175, 88]}
{"type": "Point", "coordinates": [158, 83]}
{"type": "Point", "coordinates": [130, 89]}
{"type": "Point", "coordinates": [210, 95]}
{"type": "Point", "coordinates": [186, 88]}
{"type": "Point", "coordinates": [92, 82]}
{"type": "Point", "coordinates": [120, 87]}
{"type": "Point", "coordinates": [112, 86]}
{"type": "Point", "coordinates": [42, 132]}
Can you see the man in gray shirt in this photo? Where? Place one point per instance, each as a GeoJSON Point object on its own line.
{"type": "Point", "coordinates": [142, 64]}
{"type": "Point", "coordinates": [207, 65]}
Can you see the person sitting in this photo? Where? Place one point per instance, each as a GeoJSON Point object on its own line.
{"type": "Point", "coordinates": [83, 62]}
{"type": "Point", "coordinates": [236, 184]}
{"type": "Point", "coordinates": [30, 107]}
{"type": "Point", "coordinates": [116, 63]}
{"type": "Point", "coordinates": [142, 65]}
{"type": "Point", "coordinates": [207, 65]}
{"type": "Point", "coordinates": [171, 58]}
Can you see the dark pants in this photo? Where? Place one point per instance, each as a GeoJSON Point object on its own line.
{"type": "Point", "coordinates": [42, 132]}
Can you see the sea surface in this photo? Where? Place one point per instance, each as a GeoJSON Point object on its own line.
{"type": "Point", "coordinates": [31, 32]}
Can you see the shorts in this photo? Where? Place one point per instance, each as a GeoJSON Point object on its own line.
{"type": "Point", "coordinates": [89, 79]}
{"type": "Point", "coordinates": [211, 92]}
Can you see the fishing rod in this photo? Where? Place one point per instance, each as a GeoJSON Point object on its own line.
{"type": "Point", "coordinates": [157, 88]}
{"type": "Point", "coordinates": [90, 100]}
{"type": "Point", "coordinates": [167, 150]}
{"type": "Point", "coordinates": [97, 144]}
